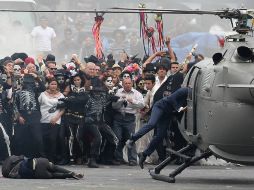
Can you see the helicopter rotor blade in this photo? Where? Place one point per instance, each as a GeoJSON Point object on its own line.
{"type": "Point", "coordinates": [226, 13]}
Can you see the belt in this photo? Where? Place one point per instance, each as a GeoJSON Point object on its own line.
{"type": "Point", "coordinates": [75, 115]}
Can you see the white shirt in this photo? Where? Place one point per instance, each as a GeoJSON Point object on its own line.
{"type": "Point", "coordinates": [43, 38]}
{"type": "Point", "coordinates": [149, 97]}
{"type": "Point", "coordinates": [46, 103]}
{"type": "Point", "coordinates": [137, 97]}
{"type": "Point", "coordinates": [158, 83]}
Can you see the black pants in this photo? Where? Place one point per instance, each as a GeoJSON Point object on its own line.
{"type": "Point", "coordinates": [91, 131]}
{"type": "Point", "coordinates": [49, 135]}
{"type": "Point", "coordinates": [109, 143]}
{"type": "Point", "coordinates": [31, 135]}
{"type": "Point", "coordinates": [47, 170]}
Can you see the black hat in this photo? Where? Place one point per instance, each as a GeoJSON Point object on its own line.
{"type": "Point", "coordinates": [50, 57]}
{"type": "Point", "coordinates": [92, 59]}
{"type": "Point", "coordinates": [22, 56]}
{"type": "Point", "coordinates": [150, 67]}
{"type": "Point", "coordinates": [62, 72]}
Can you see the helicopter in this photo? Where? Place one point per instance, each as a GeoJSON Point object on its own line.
{"type": "Point", "coordinates": [220, 105]}
{"type": "Point", "coordinates": [218, 120]}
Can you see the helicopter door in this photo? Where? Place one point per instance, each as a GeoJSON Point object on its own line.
{"type": "Point", "coordinates": [190, 118]}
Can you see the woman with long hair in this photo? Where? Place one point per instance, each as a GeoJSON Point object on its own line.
{"type": "Point", "coordinates": [50, 121]}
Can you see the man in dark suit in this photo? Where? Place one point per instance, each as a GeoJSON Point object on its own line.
{"type": "Point", "coordinates": [162, 113]}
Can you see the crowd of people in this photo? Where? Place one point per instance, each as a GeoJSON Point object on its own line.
{"type": "Point", "coordinates": [85, 111]}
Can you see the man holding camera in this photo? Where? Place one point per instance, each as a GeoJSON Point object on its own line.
{"type": "Point", "coordinates": [124, 120]}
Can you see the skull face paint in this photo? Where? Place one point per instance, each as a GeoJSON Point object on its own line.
{"type": "Point", "coordinates": [60, 79]}
{"type": "Point", "coordinates": [126, 75]}
{"type": "Point", "coordinates": [109, 82]}
{"type": "Point", "coordinates": [17, 70]}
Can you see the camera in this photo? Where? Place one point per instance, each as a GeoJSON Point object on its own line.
{"type": "Point", "coordinates": [125, 103]}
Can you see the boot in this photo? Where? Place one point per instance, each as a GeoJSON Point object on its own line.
{"type": "Point", "coordinates": [92, 163]}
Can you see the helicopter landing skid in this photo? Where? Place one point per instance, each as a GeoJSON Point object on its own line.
{"type": "Point", "coordinates": [155, 173]}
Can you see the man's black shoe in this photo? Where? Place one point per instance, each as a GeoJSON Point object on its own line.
{"type": "Point", "coordinates": [92, 163]}
{"type": "Point", "coordinates": [141, 160]}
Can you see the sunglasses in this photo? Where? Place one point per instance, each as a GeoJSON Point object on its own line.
{"type": "Point", "coordinates": [53, 69]}
{"type": "Point", "coordinates": [109, 80]}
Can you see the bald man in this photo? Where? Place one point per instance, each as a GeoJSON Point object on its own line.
{"type": "Point", "coordinates": [124, 120]}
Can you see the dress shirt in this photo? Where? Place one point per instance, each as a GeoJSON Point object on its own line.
{"type": "Point", "coordinates": [131, 108]}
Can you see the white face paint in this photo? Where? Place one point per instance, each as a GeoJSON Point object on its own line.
{"type": "Point", "coordinates": [17, 70]}
{"type": "Point", "coordinates": [109, 82]}
{"type": "Point", "coordinates": [4, 77]}
{"type": "Point", "coordinates": [125, 76]}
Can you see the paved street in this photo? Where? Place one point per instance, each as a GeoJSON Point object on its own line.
{"type": "Point", "coordinates": [133, 178]}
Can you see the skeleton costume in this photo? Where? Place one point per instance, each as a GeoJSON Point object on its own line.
{"type": "Point", "coordinates": [27, 106]}
{"type": "Point", "coordinates": [5, 121]}
{"type": "Point", "coordinates": [95, 124]}
{"type": "Point", "coordinates": [74, 119]}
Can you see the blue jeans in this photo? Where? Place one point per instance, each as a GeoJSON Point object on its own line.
{"type": "Point", "coordinates": [123, 127]}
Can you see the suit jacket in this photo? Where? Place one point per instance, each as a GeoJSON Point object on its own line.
{"type": "Point", "coordinates": [175, 101]}
{"type": "Point", "coordinates": [172, 84]}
